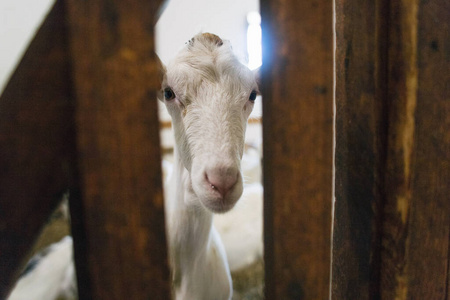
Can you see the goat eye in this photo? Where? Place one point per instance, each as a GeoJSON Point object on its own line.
{"type": "Point", "coordinates": [252, 97]}
{"type": "Point", "coordinates": [168, 94]}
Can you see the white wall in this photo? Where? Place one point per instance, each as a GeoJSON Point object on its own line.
{"type": "Point", "coordinates": [183, 19]}
{"type": "Point", "coordinates": [19, 20]}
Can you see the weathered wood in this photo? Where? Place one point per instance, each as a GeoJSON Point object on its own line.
{"type": "Point", "coordinates": [119, 236]}
{"type": "Point", "coordinates": [36, 143]}
{"type": "Point", "coordinates": [402, 85]}
{"type": "Point", "coordinates": [409, 203]}
{"type": "Point", "coordinates": [429, 242]}
{"type": "Point", "coordinates": [297, 84]}
{"type": "Point", "coordinates": [416, 226]}
{"type": "Point", "coordinates": [360, 147]}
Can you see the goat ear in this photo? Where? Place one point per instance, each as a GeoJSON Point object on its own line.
{"type": "Point", "coordinates": [161, 76]}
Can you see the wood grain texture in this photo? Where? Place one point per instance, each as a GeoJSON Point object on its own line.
{"type": "Point", "coordinates": [119, 234]}
{"type": "Point", "coordinates": [37, 143]}
{"type": "Point", "coordinates": [429, 227]}
{"type": "Point", "coordinates": [297, 84]}
{"type": "Point", "coordinates": [360, 147]}
{"type": "Point", "coordinates": [402, 88]}
{"type": "Point", "coordinates": [392, 152]}
{"type": "Point", "coordinates": [417, 213]}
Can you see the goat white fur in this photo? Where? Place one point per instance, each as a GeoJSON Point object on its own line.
{"type": "Point", "coordinates": [209, 95]}
{"type": "Point", "coordinates": [49, 275]}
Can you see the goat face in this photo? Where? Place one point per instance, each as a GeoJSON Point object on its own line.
{"type": "Point", "coordinates": [209, 96]}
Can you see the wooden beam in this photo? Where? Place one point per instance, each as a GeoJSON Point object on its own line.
{"type": "Point", "coordinates": [416, 227]}
{"type": "Point", "coordinates": [392, 220]}
{"type": "Point", "coordinates": [361, 124]}
{"type": "Point", "coordinates": [297, 85]}
{"type": "Point", "coordinates": [120, 243]}
{"type": "Point", "coordinates": [36, 143]}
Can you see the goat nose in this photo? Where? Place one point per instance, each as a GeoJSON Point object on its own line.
{"type": "Point", "coordinates": [222, 180]}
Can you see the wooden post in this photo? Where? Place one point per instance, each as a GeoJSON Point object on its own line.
{"type": "Point", "coordinates": [297, 84]}
{"type": "Point", "coordinates": [416, 224]}
{"type": "Point", "coordinates": [361, 53]}
{"type": "Point", "coordinates": [37, 143]}
{"type": "Point", "coordinates": [120, 243]}
{"type": "Point", "coordinates": [392, 220]}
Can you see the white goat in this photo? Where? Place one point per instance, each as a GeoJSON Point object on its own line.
{"type": "Point", "coordinates": [209, 96]}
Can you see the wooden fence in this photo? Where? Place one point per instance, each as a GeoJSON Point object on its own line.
{"type": "Point", "coordinates": [79, 113]}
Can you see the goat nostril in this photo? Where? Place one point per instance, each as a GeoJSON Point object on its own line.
{"type": "Point", "coordinates": [222, 182]}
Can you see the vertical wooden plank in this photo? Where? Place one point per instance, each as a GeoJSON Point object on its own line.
{"type": "Point", "coordinates": [411, 200]}
{"type": "Point", "coordinates": [417, 214]}
{"type": "Point", "coordinates": [119, 236]}
{"type": "Point", "coordinates": [402, 85]}
{"type": "Point", "coordinates": [361, 38]}
{"type": "Point", "coordinates": [429, 245]}
{"type": "Point", "coordinates": [37, 143]}
{"type": "Point", "coordinates": [297, 84]}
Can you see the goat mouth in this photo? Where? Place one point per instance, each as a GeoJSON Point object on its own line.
{"type": "Point", "coordinates": [218, 203]}
{"type": "Point", "coordinates": [220, 206]}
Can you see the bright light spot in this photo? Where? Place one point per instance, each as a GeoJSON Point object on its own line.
{"type": "Point", "coordinates": [254, 47]}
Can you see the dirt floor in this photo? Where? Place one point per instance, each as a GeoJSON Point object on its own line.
{"type": "Point", "coordinates": [248, 283]}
